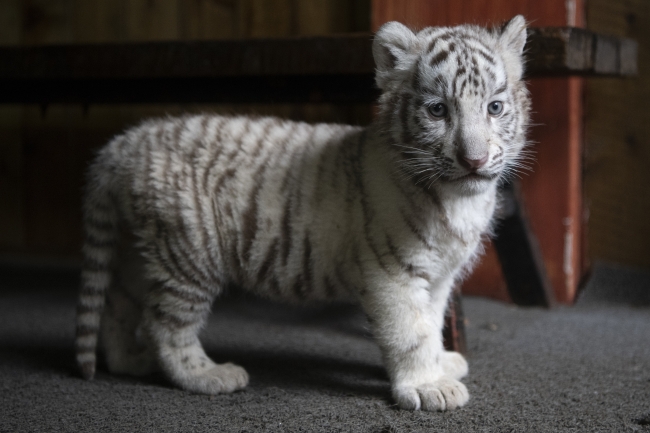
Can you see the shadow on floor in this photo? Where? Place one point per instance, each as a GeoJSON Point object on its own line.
{"type": "Point", "coordinates": [283, 370]}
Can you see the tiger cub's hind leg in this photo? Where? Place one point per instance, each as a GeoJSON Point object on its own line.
{"type": "Point", "coordinates": [174, 314]}
{"type": "Point", "coordinates": [126, 349]}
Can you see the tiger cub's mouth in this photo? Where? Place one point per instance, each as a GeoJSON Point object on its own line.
{"type": "Point", "coordinates": [478, 176]}
{"type": "Point", "coordinates": [472, 176]}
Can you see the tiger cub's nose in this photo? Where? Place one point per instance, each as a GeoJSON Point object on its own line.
{"type": "Point", "coordinates": [472, 164]}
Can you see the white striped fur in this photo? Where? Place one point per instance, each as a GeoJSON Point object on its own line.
{"type": "Point", "coordinates": [391, 215]}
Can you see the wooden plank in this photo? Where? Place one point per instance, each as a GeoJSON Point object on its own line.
{"type": "Point", "coordinates": [52, 173]}
{"type": "Point", "coordinates": [235, 90]}
{"type": "Point", "coordinates": [208, 19]}
{"type": "Point", "coordinates": [628, 54]}
{"type": "Point", "coordinates": [12, 191]}
{"type": "Point", "coordinates": [46, 172]}
{"type": "Point", "coordinates": [565, 51]}
{"type": "Point", "coordinates": [11, 20]}
{"type": "Point", "coordinates": [47, 22]}
{"type": "Point", "coordinates": [453, 332]}
{"type": "Point", "coordinates": [519, 252]}
{"type": "Point", "coordinates": [151, 20]}
{"type": "Point", "coordinates": [552, 192]}
{"type": "Point", "coordinates": [421, 13]}
{"type": "Point", "coordinates": [320, 17]}
{"type": "Point", "coordinates": [266, 18]}
{"type": "Point", "coordinates": [303, 69]}
{"type": "Point", "coordinates": [12, 228]}
{"type": "Point", "coordinates": [282, 70]}
{"type": "Point", "coordinates": [340, 55]}
{"type": "Point", "coordinates": [617, 137]}
{"type": "Point", "coordinates": [578, 51]}
{"type": "Point", "coordinates": [99, 21]}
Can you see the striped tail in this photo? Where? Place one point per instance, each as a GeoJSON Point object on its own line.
{"type": "Point", "coordinates": [100, 225]}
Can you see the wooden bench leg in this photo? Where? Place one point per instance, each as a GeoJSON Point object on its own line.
{"type": "Point", "coordinates": [454, 330]}
{"type": "Point", "coordinates": [520, 255]}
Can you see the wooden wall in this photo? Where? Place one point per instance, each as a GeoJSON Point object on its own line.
{"type": "Point", "coordinates": [67, 21]}
{"type": "Point", "coordinates": [44, 150]}
{"type": "Point", "coordinates": [617, 132]}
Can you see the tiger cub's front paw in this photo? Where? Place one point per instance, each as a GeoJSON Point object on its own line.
{"type": "Point", "coordinates": [443, 394]}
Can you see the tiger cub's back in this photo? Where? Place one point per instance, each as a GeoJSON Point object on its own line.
{"type": "Point", "coordinates": [237, 199]}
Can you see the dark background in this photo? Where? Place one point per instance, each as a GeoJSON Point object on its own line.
{"type": "Point", "coordinates": [44, 150]}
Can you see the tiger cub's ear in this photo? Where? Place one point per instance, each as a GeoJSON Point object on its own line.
{"type": "Point", "coordinates": [512, 41]}
{"type": "Point", "coordinates": [513, 34]}
{"type": "Point", "coordinates": [394, 49]}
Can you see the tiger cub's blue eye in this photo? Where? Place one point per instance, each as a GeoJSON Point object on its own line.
{"type": "Point", "coordinates": [438, 110]}
{"type": "Point", "coordinates": [495, 108]}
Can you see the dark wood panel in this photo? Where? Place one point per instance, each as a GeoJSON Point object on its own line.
{"type": "Point", "coordinates": [40, 177]}
{"type": "Point", "coordinates": [421, 13]}
{"type": "Point", "coordinates": [304, 69]}
{"type": "Point", "coordinates": [519, 252]}
{"type": "Point", "coordinates": [569, 50]}
{"type": "Point", "coordinates": [12, 194]}
{"type": "Point", "coordinates": [617, 136]}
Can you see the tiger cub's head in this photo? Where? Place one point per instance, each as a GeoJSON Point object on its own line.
{"type": "Point", "coordinates": [453, 102]}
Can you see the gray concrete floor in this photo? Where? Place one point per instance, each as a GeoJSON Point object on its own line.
{"type": "Point", "coordinates": [579, 369]}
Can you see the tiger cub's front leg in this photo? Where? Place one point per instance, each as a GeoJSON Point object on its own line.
{"type": "Point", "coordinates": [407, 320]}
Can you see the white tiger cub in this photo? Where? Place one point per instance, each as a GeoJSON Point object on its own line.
{"type": "Point", "coordinates": [390, 215]}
